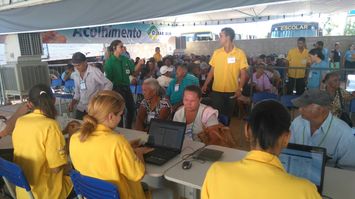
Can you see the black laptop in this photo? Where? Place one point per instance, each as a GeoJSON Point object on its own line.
{"type": "Point", "coordinates": [166, 137]}
{"type": "Point", "coordinates": [305, 162]}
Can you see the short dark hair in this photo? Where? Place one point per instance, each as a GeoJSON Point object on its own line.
{"type": "Point", "coordinates": [318, 52]}
{"type": "Point", "coordinates": [184, 66]}
{"type": "Point", "coordinates": [69, 66]}
{"type": "Point", "coordinates": [268, 120]}
{"type": "Point", "coordinates": [78, 58]}
{"type": "Point", "coordinates": [320, 43]}
{"type": "Point", "coordinates": [302, 39]}
{"type": "Point", "coordinates": [41, 96]}
{"type": "Point", "coordinates": [229, 32]}
{"type": "Point", "coordinates": [195, 89]}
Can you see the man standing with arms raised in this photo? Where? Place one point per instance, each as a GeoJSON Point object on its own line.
{"type": "Point", "coordinates": [229, 71]}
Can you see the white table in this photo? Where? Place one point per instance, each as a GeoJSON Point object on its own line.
{"type": "Point", "coordinates": [338, 183]}
{"type": "Point", "coordinates": [195, 176]}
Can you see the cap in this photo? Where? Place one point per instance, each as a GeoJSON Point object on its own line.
{"type": "Point", "coordinates": [165, 69]}
{"type": "Point", "coordinates": [281, 56]}
{"type": "Point", "coordinates": [313, 96]}
{"type": "Point", "coordinates": [78, 58]}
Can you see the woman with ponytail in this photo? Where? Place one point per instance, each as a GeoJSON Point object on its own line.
{"type": "Point", "coordinates": [39, 148]}
{"type": "Point", "coordinates": [97, 151]}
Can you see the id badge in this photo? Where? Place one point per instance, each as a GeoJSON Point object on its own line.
{"type": "Point", "coordinates": [82, 85]}
{"type": "Point", "coordinates": [231, 60]}
{"type": "Point", "coordinates": [176, 89]}
{"type": "Point", "coordinates": [304, 62]}
{"type": "Point", "coordinates": [128, 71]}
{"type": "Point", "coordinates": [203, 77]}
{"type": "Point", "coordinates": [151, 115]}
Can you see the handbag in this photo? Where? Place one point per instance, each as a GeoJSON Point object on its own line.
{"type": "Point", "coordinates": [217, 135]}
{"type": "Point", "coordinates": [344, 115]}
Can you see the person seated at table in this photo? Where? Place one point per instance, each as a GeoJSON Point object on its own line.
{"type": "Point", "coordinates": [178, 84]}
{"type": "Point", "coordinates": [97, 151]}
{"type": "Point", "coordinates": [39, 148]}
{"type": "Point", "coordinates": [260, 174]}
{"type": "Point", "coordinates": [8, 125]}
{"type": "Point", "coordinates": [154, 105]}
{"type": "Point", "coordinates": [196, 115]}
{"type": "Point", "coordinates": [317, 126]}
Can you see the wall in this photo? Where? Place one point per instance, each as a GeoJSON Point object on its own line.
{"type": "Point", "coordinates": [268, 46]}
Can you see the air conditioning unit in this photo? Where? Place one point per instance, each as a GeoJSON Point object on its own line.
{"type": "Point", "coordinates": [18, 78]}
{"type": "Point", "coordinates": [24, 67]}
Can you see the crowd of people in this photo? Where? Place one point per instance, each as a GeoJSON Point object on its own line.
{"type": "Point", "coordinates": [196, 90]}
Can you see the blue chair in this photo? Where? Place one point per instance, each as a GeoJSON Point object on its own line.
{"type": "Point", "coordinates": [69, 84]}
{"type": "Point", "coordinates": [92, 188]}
{"type": "Point", "coordinates": [133, 88]}
{"type": "Point", "coordinates": [286, 100]}
{"type": "Point", "coordinates": [257, 97]}
{"type": "Point", "coordinates": [139, 90]}
{"type": "Point", "coordinates": [12, 173]}
{"type": "Point", "coordinates": [56, 83]}
{"type": "Point", "coordinates": [223, 119]}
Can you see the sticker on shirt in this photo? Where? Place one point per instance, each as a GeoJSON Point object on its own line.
{"type": "Point", "coordinates": [231, 60]}
{"type": "Point", "coordinates": [304, 61]}
{"type": "Point", "coordinates": [128, 71]}
{"type": "Point", "coordinates": [176, 89]}
{"type": "Point", "coordinates": [82, 85]}
{"type": "Point", "coordinates": [151, 115]}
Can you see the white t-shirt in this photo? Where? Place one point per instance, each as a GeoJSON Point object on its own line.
{"type": "Point", "coordinates": [2, 125]}
{"type": "Point", "coordinates": [164, 81]}
{"type": "Point", "coordinates": [206, 117]}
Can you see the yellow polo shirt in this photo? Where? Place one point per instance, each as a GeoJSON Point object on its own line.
{"type": "Point", "coordinates": [157, 57]}
{"type": "Point", "coordinates": [296, 58]}
{"type": "Point", "coordinates": [39, 147]}
{"type": "Point", "coordinates": [108, 156]}
{"type": "Point", "coordinates": [227, 67]}
{"type": "Point", "coordinates": [259, 175]}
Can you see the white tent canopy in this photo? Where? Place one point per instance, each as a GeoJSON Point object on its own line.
{"type": "Point", "coordinates": [82, 13]}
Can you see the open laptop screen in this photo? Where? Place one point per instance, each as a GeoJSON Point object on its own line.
{"type": "Point", "coordinates": [167, 134]}
{"type": "Point", "coordinates": [305, 162]}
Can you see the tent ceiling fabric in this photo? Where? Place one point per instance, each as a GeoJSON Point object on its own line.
{"type": "Point", "coordinates": [81, 13]}
{"type": "Point", "coordinates": [291, 8]}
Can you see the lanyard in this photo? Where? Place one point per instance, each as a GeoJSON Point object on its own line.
{"type": "Point", "coordinates": [326, 133]}
{"type": "Point", "coordinates": [193, 123]}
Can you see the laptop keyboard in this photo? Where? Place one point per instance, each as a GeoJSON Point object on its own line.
{"type": "Point", "coordinates": [159, 156]}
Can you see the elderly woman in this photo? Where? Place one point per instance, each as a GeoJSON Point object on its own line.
{"type": "Point", "coordinates": [196, 115]}
{"type": "Point", "coordinates": [340, 96]}
{"type": "Point", "coordinates": [153, 104]}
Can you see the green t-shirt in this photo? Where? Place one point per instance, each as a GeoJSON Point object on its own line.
{"type": "Point", "coordinates": [117, 70]}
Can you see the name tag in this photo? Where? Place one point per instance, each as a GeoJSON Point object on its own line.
{"type": "Point", "coordinates": [176, 87]}
{"type": "Point", "coordinates": [231, 60]}
{"type": "Point", "coordinates": [82, 85]}
{"type": "Point", "coordinates": [203, 77]}
{"type": "Point", "coordinates": [128, 71]}
{"type": "Point", "coordinates": [304, 61]}
{"type": "Point", "coordinates": [151, 115]}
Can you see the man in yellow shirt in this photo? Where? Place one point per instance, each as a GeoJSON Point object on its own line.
{"type": "Point", "coordinates": [297, 57]}
{"type": "Point", "coordinates": [260, 175]}
{"type": "Point", "coordinates": [157, 56]}
{"type": "Point", "coordinates": [229, 73]}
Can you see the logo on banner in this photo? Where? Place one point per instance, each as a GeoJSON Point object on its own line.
{"type": "Point", "coordinates": [153, 33]}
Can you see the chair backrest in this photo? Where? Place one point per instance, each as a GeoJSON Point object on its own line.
{"type": "Point", "coordinates": [352, 106]}
{"type": "Point", "coordinates": [223, 119]}
{"type": "Point", "coordinates": [92, 188]}
{"type": "Point", "coordinates": [133, 88]}
{"type": "Point", "coordinates": [14, 174]}
{"type": "Point", "coordinates": [286, 100]}
{"type": "Point", "coordinates": [56, 82]}
{"type": "Point", "coordinates": [139, 90]}
{"type": "Point", "coordinates": [257, 97]}
{"type": "Point", "coordinates": [69, 83]}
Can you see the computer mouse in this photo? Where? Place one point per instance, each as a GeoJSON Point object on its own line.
{"type": "Point", "coordinates": [186, 165]}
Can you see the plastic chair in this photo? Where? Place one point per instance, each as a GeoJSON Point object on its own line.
{"type": "Point", "coordinates": [69, 84]}
{"type": "Point", "coordinates": [133, 88]}
{"type": "Point", "coordinates": [139, 90]}
{"type": "Point", "coordinates": [286, 100]}
{"type": "Point", "coordinates": [92, 188]}
{"type": "Point", "coordinates": [223, 119]}
{"type": "Point", "coordinates": [56, 83]}
{"type": "Point", "coordinates": [257, 97]}
{"type": "Point", "coordinates": [11, 172]}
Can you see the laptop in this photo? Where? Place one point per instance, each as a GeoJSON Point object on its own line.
{"type": "Point", "coordinates": [166, 137]}
{"type": "Point", "coordinates": [350, 83]}
{"type": "Point", "coordinates": [305, 162]}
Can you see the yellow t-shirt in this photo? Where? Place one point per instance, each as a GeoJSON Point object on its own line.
{"type": "Point", "coordinates": [108, 156]}
{"type": "Point", "coordinates": [259, 175]}
{"type": "Point", "coordinates": [157, 57]}
{"type": "Point", "coordinates": [39, 147]}
{"type": "Point", "coordinates": [297, 59]}
{"type": "Point", "coordinates": [226, 68]}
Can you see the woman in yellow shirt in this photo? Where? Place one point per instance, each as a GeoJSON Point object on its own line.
{"type": "Point", "coordinates": [260, 174]}
{"type": "Point", "coordinates": [97, 151]}
{"type": "Point", "coordinates": [39, 148]}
